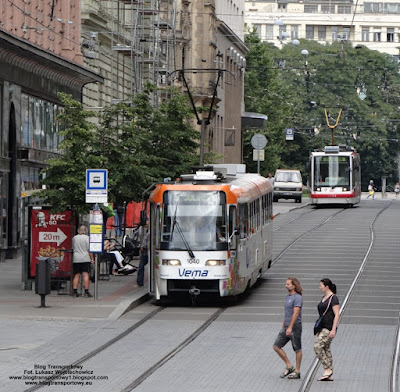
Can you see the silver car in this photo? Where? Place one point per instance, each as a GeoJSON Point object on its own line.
{"type": "Point", "coordinates": [288, 184]}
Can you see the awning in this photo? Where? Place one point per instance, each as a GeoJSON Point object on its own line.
{"type": "Point", "coordinates": [23, 56]}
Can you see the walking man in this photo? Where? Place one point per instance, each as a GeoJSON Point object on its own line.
{"type": "Point", "coordinates": [291, 328]}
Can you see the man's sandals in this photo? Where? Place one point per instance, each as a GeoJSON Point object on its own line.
{"type": "Point", "coordinates": [290, 372]}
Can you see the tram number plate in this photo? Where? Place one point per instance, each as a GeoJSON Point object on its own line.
{"type": "Point", "coordinates": [193, 261]}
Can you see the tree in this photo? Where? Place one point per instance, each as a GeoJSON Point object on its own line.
{"type": "Point", "coordinates": [143, 144]}
{"type": "Point", "coordinates": [138, 144]}
{"type": "Point", "coordinates": [267, 93]}
{"type": "Point", "coordinates": [365, 84]}
{"type": "Point", "coordinates": [64, 177]}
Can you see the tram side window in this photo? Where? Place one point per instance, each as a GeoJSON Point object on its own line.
{"type": "Point", "coordinates": [269, 206]}
{"type": "Point", "coordinates": [263, 210]}
{"type": "Point", "coordinates": [251, 217]}
{"type": "Point", "coordinates": [244, 220]}
{"type": "Point", "coordinates": [257, 212]}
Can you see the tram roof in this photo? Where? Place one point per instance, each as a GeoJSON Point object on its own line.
{"type": "Point", "coordinates": [241, 188]}
{"type": "Point", "coordinates": [333, 154]}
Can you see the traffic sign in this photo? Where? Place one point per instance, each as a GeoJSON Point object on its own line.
{"type": "Point", "coordinates": [96, 185]}
{"type": "Point", "coordinates": [289, 134]}
{"type": "Point", "coordinates": [258, 155]}
{"type": "Point", "coordinates": [258, 141]}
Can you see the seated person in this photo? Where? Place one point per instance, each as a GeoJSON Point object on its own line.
{"type": "Point", "coordinates": [117, 259]}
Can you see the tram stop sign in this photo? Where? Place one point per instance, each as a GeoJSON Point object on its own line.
{"type": "Point", "coordinates": [258, 141]}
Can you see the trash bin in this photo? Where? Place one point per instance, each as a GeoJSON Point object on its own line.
{"type": "Point", "coordinates": [42, 280]}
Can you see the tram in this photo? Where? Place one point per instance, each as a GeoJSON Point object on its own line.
{"type": "Point", "coordinates": [335, 176]}
{"type": "Point", "coordinates": [210, 232]}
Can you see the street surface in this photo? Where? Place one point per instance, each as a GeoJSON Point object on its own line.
{"type": "Point", "coordinates": [235, 352]}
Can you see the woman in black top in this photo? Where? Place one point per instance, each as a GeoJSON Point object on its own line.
{"type": "Point", "coordinates": [322, 346]}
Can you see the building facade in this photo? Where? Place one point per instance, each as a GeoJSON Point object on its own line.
{"type": "Point", "coordinates": [131, 42]}
{"type": "Point", "coordinates": [40, 56]}
{"type": "Point", "coordinates": [372, 23]}
{"type": "Point", "coordinates": [211, 54]}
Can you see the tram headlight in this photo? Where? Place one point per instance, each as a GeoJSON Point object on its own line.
{"type": "Point", "coordinates": [171, 262]}
{"type": "Point", "coordinates": [214, 263]}
{"type": "Point", "coordinates": [318, 189]}
{"type": "Point", "coordinates": [345, 189]}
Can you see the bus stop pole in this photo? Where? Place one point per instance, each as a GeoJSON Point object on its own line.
{"type": "Point", "coordinates": [96, 277]}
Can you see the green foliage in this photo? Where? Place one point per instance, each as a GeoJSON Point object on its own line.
{"type": "Point", "coordinates": [330, 77]}
{"type": "Point", "coordinates": [138, 143]}
{"type": "Point", "coordinates": [146, 144]}
{"type": "Point", "coordinates": [65, 176]}
{"type": "Point", "coordinates": [267, 93]}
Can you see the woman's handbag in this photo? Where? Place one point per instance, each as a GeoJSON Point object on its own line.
{"type": "Point", "coordinates": [317, 325]}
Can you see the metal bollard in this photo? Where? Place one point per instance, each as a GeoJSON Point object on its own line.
{"type": "Point", "coordinates": [42, 281]}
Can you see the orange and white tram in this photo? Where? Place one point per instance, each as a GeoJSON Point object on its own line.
{"type": "Point", "coordinates": [211, 232]}
{"type": "Point", "coordinates": [335, 176]}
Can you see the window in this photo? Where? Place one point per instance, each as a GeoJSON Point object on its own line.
{"type": "Point", "coordinates": [376, 7]}
{"type": "Point", "coordinates": [321, 33]}
{"type": "Point", "coordinates": [344, 9]}
{"type": "Point", "coordinates": [270, 31]}
{"type": "Point", "coordinates": [194, 218]}
{"type": "Point", "coordinates": [367, 8]}
{"type": "Point", "coordinates": [365, 34]}
{"type": "Point", "coordinates": [346, 33]}
{"type": "Point", "coordinates": [328, 9]}
{"type": "Point", "coordinates": [377, 34]}
{"type": "Point", "coordinates": [257, 27]}
{"type": "Point", "coordinates": [309, 32]}
{"type": "Point", "coordinates": [335, 33]}
{"type": "Point", "coordinates": [294, 32]}
{"type": "Point", "coordinates": [311, 9]}
{"type": "Point", "coordinates": [390, 34]}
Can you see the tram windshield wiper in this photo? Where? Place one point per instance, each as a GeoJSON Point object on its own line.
{"type": "Point", "coordinates": [191, 254]}
{"type": "Point", "coordinates": [175, 223]}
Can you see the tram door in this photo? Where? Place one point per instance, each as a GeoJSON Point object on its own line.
{"type": "Point", "coordinates": [154, 243]}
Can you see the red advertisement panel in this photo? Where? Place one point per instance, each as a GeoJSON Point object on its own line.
{"type": "Point", "coordinates": [51, 238]}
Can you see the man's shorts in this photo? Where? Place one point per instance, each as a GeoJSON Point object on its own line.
{"type": "Point", "coordinates": [81, 267]}
{"type": "Point", "coordinates": [295, 338]}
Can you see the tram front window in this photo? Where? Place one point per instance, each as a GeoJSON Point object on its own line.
{"type": "Point", "coordinates": [194, 219]}
{"type": "Point", "coordinates": [331, 171]}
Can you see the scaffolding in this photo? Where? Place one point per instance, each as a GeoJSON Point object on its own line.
{"type": "Point", "coordinates": [143, 38]}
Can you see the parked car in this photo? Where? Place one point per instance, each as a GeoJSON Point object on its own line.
{"type": "Point", "coordinates": [288, 185]}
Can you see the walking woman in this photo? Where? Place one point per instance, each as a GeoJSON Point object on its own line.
{"type": "Point", "coordinates": [328, 309]}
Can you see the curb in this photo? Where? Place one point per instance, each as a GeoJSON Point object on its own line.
{"type": "Point", "coordinates": [129, 304]}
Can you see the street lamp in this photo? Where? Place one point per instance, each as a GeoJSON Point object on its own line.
{"type": "Point", "coordinates": [282, 34]}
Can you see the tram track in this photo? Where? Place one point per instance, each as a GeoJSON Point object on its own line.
{"type": "Point", "coordinates": [309, 379]}
{"type": "Point", "coordinates": [309, 211]}
{"type": "Point", "coordinates": [144, 375]}
{"type": "Point", "coordinates": [97, 351]}
{"type": "Point", "coordinates": [166, 356]}
{"type": "Point", "coordinates": [297, 239]}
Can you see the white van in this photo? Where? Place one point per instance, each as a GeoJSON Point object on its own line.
{"type": "Point", "coordinates": [288, 184]}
